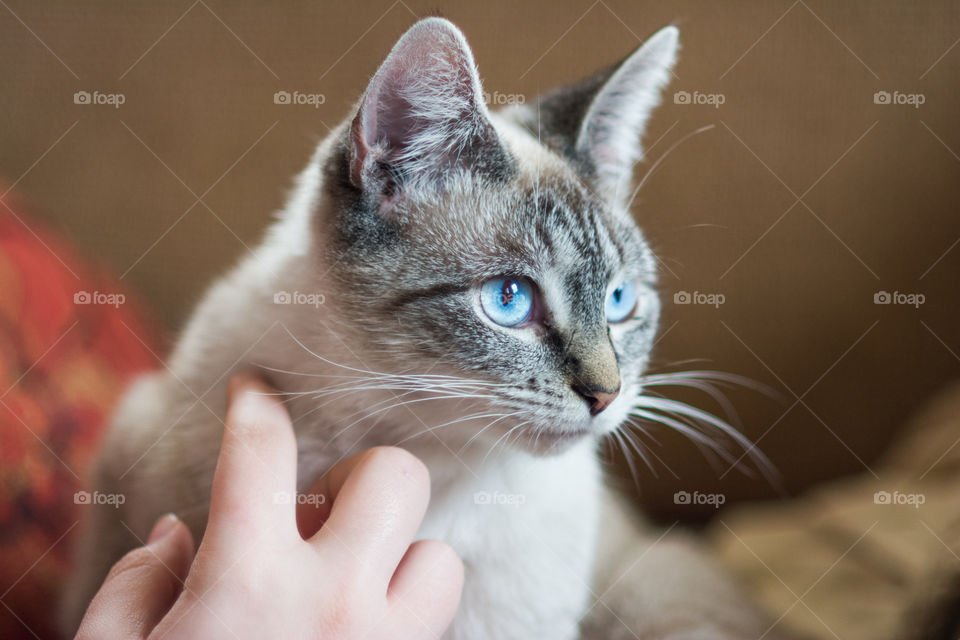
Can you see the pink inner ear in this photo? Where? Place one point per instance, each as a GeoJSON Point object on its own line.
{"type": "Point", "coordinates": [363, 130]}
{"type": "Point", "coordinates": [605, 154]}
{"type": "Point", "coordinates": [364, 149]}
{"type": "Point", "coordinates": [359, 149]}
{"type": "Point", "coordinates": [419, 105]}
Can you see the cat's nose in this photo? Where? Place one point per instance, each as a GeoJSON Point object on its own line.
{"type": "Point", "coordinates": [597, 399]}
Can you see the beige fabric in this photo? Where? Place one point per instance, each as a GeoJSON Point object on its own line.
{"type": "Point", "coordinates": [840, 562]}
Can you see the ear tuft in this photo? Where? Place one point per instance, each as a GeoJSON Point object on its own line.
{"type": "Point", "coordinates": [423, 112]}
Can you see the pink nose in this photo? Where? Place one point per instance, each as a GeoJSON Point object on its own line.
{"type": "Point", "coordinates": [597, 399]}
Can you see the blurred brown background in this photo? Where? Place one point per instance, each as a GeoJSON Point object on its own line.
{"type": "Point", "coordinates": [805, 200]}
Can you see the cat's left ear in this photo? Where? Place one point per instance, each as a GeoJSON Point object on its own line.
{"type": "Point", "coordinates": [611, 129]}
{"type": "Point", "coordinates": [599, 122]}
{"type": "Point", "coordinates": [423, 116]}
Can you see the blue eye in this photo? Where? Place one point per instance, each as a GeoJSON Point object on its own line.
{"type": "Point", "coordinates": [621, 301]}
{"type": "Point", "coordinates": [507, 301]}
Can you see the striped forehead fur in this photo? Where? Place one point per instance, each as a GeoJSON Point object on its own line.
{"type": "Point", "coordinates": [478, 195]}
{"type": "Point", "coordinates": [544, 222]}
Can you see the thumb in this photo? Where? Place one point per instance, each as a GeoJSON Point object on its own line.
{"type": "Point", "coordinates": [142, 586]}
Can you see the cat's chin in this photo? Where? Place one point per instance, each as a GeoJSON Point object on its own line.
{"type": "Point", "coordinates": [548, 442]}
{"type": "Point", "coordinates": [554, 440]}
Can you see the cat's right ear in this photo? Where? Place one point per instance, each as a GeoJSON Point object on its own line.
{"type": "Point", "coordinates": [423, 116]}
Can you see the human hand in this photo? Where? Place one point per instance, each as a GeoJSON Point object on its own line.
{"type": "Point", "coordinates": [349, 571]}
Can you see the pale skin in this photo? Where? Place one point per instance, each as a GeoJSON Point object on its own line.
{"type": "Point", "coordinates": [346, 568]}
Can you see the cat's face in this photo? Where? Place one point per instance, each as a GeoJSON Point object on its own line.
{"type": "Point", "coordinates": [497, 247]}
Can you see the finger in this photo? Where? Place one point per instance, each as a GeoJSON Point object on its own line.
{"type": "Point", "coordinates": [376, 511]}
{"type": "Point", "coordinates": [425, 590]}
{"type": "Point", "coordinates": [314, 507]}
{"type": "Point", "coordinates": [142, 586]}
{"type": "Point", "coordinates": [255, 479]}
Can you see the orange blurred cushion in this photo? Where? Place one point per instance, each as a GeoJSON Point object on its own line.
{"type": "Point", "coordinates": [70, 340]}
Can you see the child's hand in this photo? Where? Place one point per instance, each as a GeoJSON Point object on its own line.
{"type": "Point", "coordinates": [255, 577]}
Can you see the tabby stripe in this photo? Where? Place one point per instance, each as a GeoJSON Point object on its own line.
{"type": "Point", "coordinates": [434, 291]}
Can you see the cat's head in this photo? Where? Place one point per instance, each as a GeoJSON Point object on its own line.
{"type": "Point", "coordinates": [496, 248]}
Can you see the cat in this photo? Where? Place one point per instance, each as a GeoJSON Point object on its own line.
{"type": "Point", "coordinates": [477, 292]}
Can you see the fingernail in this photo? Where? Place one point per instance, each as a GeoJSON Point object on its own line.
{"type": "Point", "coordinates": [163, 527]}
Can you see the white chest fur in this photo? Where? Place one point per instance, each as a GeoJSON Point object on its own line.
{"type": "Point", "coordinates": [526, 530]}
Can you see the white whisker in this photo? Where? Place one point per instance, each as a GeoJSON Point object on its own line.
{"type": "Point", "coordinates": [663, 157]}
{"type": "Point", "coordinates": [690, 421]}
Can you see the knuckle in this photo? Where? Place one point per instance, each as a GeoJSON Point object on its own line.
{"type": "Point", "coordinates": [347, 611]}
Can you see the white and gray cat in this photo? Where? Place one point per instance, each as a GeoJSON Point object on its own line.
{"type": "Point", "coordinates": [488, 303]}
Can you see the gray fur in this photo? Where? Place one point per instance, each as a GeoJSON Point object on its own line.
{"type": "Point", "coordinates": [409, 205]}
